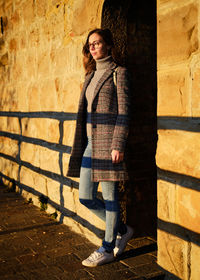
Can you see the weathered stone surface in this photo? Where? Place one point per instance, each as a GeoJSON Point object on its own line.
{"type": "Point", "coordinates": [9, 168]}
{"type": "Point", "coordinates": [177, 152]}
{"type": "Point", "coordinates": [41, 128]}
{"type": "Point", "coordinates": [9, 124]}
{"type": "Point", "coordinates": [18, 73]}
{"type": "Point", "coordinates": [27, 12]}
{"type": "Point", "coordinates": [176, 83]}
{"type": "Point", "coordinates": [178, 97]}
{"type": "Point", "coordinates": [65, 162]}
{"type": "Point", "coordinates": [43, 71]}
{"type": "Point", "coordinates": [33, 180]}
{"type": "Point", "coordinates": [166, 201]}
{"type": "Point", "coordinates": [41, 157]}
{"type": "Point", "coordinates": [54, 191]}
{"type": "Point", "coordinates": [188, 208]}
{"type": "Point", "coordinates": [34, 95]}
{"type": "Point", "coordinates": [41, 8]}
{"type": "Point", "coordinates": [9, 147]}
{"type": "Point", "coordinates": [177, 34]}
{"type": "Point", "coordinates": [31, 65]}
{"type": "Point", "coordinates": [22, 104]}
{"type": "Point", "coordinates": [70, 199]}
{"type": "Point", "coordinates": [71, 91]}
{"type": "Point", "coordinates": [69, 130]}
{"type": "Point", "coordinates": [195, 257]}
{"type": "Point", "coordinates": [84, 17]}
{"type": "Point", "coordinates": [195, 104]}
{"type": "Point", "coordinates": [172, 254]}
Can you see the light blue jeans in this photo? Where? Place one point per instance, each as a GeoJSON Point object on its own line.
{"type": "Point", "coordinates": [108, 210]}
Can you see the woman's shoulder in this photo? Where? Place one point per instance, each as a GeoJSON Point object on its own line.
{"type": "Point", "coordinates": [122, 70]}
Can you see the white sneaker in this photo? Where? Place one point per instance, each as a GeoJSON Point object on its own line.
{"type": "Point", "coordinates": [99, 257]}
{"type": "Point", "coordinates": [121, 241]}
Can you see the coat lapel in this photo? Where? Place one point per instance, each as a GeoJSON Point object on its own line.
{"type": "Point", "coordinates": [86, 83]}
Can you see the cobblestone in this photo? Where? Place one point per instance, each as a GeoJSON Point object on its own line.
{"type": "Point", "coordinates": [34, 246]}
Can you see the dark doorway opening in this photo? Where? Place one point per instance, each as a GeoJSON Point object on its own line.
{"type": "Point", "coordinates": [133, 23]}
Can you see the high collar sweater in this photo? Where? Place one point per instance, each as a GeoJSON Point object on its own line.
{"type": "Point", "coordinates": [102, 65]}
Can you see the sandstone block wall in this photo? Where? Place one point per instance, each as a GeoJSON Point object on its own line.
{"type": "Point", "coordinates": [41, 77]}
{"type": "Point", "coordinates": [178, 138]}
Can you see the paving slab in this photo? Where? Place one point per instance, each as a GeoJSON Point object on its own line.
{"type": "Point", "coordinates": [35, 246]}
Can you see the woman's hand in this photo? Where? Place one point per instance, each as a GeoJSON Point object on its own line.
{"type": "Point", "coordinates": [117, 156]}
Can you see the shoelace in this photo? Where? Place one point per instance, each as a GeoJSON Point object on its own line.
{"type": "Point", "coordinates": [94, 256]}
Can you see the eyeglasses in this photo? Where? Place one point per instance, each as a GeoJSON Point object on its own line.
{"type": "Point", "coordinates": [95, 44]}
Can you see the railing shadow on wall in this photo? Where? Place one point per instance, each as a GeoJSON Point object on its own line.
{"type": "Point", "coordinates": [60, 148]}
{"type": "Point", "coordinates": [188, 124]}
{"type": "Point", "coordinates": [173, 123]}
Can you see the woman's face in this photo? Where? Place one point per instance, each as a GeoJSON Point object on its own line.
{"type": "Point", "coordinates": [98, 48]}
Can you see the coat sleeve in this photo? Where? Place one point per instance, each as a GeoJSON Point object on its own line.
{"type": "Point", "coordinates": [122, 122]}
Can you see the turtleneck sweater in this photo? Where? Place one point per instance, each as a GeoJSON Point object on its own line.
{"type": "Point", "coordinates": [102, 65]}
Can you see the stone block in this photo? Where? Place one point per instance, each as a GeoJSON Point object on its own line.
{"type": "Point", "coordinates": [71, 91]}
{"type": "Point", "coordinates": [41, 157]}
{"type": "Point", "coordinates": [60, 59]}
{"type": "Point", "coordinates": [86, 14]}
{"type": "Point", "coordinates": [16, 20]}
{"type": "Point", "coordinates": [55, 18]}
{"type": "Point", "coordinates": [22, 96]}
{"type": "Point", "coordinates": [188, 208]}
{"type": "Point", "coordinates": [31, 62]}
{"type": "Point", "coordinates": [70, 199]}
{"type": "Point", "coordinates": [43, 67]}
{"type": "Point", "coordinates": [48, 97]}
{"type": "Point", "coordinates": [177, 34]}
{"type": "Point", "coordinates": [195, 104]}
{"type": "Point", "coordinates": [9, 146]}
{"type": "Point", "coordinates": [41, 128]}
{"type": "Point", "coordinates": [166, 201]}
{"type": "Point", "coordinates": [22, 40]}
{"type": "Point", "coordinates": [172, 254]}
{"type": "Point", "coordinates": [54, 191]}
{"type": "Point", "coordinates": [30, 153]}
{"type": "Point", "coordinates": [9, 168]}
{"type": "Point", "coordinates": [65, 161]}
{"type": "Point", "coordinates": [33, 94]}
{"type": "Point", "coordinates": [13, 45]}
{"type": "Point", "coordinates": [9, 97]}
{"type": "Point", "coordinates": [10, 124]}
{"type": "Point", "coordinates": [41, 8]}
{"type": "Point", "coordinates": [177, 152]}
{"type": "Point", "coordinates": [27, 12]}
{"type": "Point", "coordinates": [18, 72]}
{"type": "Point", "coordinates": [195, 257]}
{"type": "Point", "coordinates": [69, 131]}
{"type": "Point", "coordinates": [173, 91]}
{"type": "Point", "coordinates": [33, 180]}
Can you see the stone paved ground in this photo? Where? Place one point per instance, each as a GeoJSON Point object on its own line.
{"type": "Point", "coordinates": [35, 246]}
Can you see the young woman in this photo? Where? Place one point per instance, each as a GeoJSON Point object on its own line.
{"type": "Point", "coordinates": [100, 140]}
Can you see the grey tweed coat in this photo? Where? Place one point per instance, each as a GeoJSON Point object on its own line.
{"type": "Point", "coordinates": [110, 120]}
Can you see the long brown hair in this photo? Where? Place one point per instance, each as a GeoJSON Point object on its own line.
{"type": "Point", "coordinates": [88, 61]}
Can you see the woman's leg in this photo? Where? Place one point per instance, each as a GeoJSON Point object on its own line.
{"type": "Point", "coordinates": [88, 189]}
{"type": "Point", "coordinates": [110, 195]}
